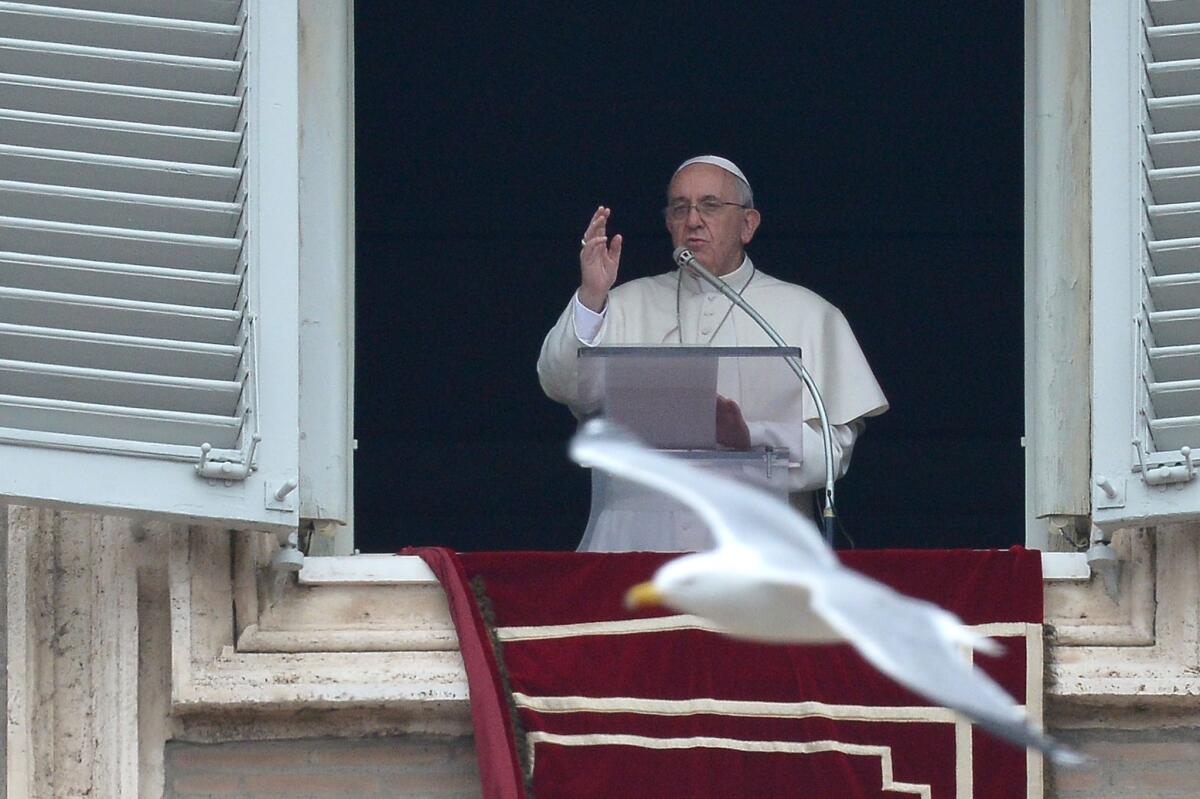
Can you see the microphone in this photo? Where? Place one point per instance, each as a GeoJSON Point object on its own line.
{"type": "Point", "coordinates": [685, 258]}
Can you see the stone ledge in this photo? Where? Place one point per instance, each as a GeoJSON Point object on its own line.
{"type": "Point", "coordinates": [1081, 613]}
{"type": "Point", "coordinates": [301, 649]}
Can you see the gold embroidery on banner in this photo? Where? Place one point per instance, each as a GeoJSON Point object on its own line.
{"type": "Point", "coordinates": [884, 753]}
{"type": "Point", "coordinates": [731, 707]}
{"type": "Point", "coordinates": [964, 744]}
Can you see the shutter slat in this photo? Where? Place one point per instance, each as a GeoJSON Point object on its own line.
{"type": "Point", "coordinates": [1174, 149]}
{"type": "Point", "coordinates": [1175, 328]}
{"type": "Point", "coordinates": [1175, 220]}
{"type": "Point", "coordinates": [1174, 12]}
{"type": "Point", "coordinates": [1175, 256]}
{"type": "Point", "coordinates": [1175, 114]}
{"type": "Point", "coordinates": [125, 317]}
{"type": "Point", "coordinates": [119, 281]}
{"type": "Point", "coordinates": [131, 424]}
{"type": "Point", "coordinates": [148, 248]}
{"type": "Point", "coordinates": [125, 103]}
{"type": "Point", "coordinates": [119, 209]}
{"type": "Point", "coordinates": [114, 137]}
{"type": "Point", "coordinates": [1175, 433]}
{"type": "Point", "coordinates": [224, 11]}
{"type": "Point", "coordinates": [1174, 42]}
{"type": "Point", "coordinates": [1175, 292]}
{"type": "Point", "coordinates": [1175, 184]}
{"type": "Point", "coordinates": [129, 389]}
{"type": "Point", "coordinates": [1175, 78]}
{"type": "Point", "coordinates": [119, 352]}
{"type": "Point", "coordinates": [1176, 363]}
{"type": "Point", "coordinates": [96, 208]}
{"type": "Point", "coordinates": [122, 31]}
{"type": "Point", "coordinates": [119, 67]}
{"type": "Point", "coordinates": [1176, 398]}
{"type": "Point", "coordinates": [118, 173]}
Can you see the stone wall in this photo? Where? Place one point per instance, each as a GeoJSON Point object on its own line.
{"type": "Point", "coordinates": [4, 641]}
{"type": "Point", "coordinates": [122, 635]}
{"type": "Point", "coordinates": [153, 660]}
{"type": "Point", "coordinates": [413, 767]}
{"type": "Point", "coordinates": [1131, 764]}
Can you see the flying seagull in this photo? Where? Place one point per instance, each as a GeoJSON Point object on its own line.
{"type": "Point", "coordinates": [772, 578]}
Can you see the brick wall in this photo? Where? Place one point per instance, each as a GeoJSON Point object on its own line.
{"type": "Point", "coordinates": [1142, 764]}
{"type": "Point", "coordinates": [323, 768]}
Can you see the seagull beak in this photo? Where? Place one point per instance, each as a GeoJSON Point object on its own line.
{"type": "Point", "coordinates": [643, 595]}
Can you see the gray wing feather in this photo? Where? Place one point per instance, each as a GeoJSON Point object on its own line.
{"type": "Point", "coordinates": [915, 643]}
{"type": "Point", "coordinates": [737, 514]}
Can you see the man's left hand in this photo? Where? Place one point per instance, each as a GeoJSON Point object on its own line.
{"type": "Point", "coordinates": [732, 431]}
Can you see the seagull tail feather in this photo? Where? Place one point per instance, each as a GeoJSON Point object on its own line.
{"type": "Point", "coordinates": [1023, 734]}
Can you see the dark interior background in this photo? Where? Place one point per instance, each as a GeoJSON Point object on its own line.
{"type": "Point", "coordinates": [883, 141]}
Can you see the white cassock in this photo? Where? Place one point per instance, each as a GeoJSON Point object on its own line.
{"type": "Point", "coordinates": [681, 309]}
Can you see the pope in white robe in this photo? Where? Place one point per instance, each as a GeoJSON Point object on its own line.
{"type": "Point", "coordinates": [710, 211]}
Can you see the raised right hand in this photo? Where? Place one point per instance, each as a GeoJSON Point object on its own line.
{"type": "Point", "coordinates": [598, 261]}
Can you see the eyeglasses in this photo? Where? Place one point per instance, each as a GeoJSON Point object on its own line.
{"type": "Point", "coordinates": [707, 208]}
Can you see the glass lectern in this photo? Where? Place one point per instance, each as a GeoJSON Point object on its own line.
{"type": "Point", "coordinates": [667, 397]}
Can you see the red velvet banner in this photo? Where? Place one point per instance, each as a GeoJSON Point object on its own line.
{"type": "Point", "coordinates": [614, 704]}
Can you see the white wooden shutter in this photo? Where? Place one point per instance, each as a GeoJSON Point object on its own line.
{"type": "Point", "coordinates": [1146, 260]}
{"type": "Point", "coordinates": [149, 255]}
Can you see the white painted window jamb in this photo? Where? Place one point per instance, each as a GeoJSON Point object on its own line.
{"type": "Point", "coordinates": [274, 236]}
{"type": "Point", "coordinates": [1116, 237]}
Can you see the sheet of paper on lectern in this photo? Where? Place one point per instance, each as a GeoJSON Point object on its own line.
{"type": "Point", "coordinates": [669, 403]}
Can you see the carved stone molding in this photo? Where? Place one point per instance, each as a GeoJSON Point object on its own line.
{"type": "Point", "coordinates": [124, 634]}
{"type": "Point", "coordinates": [72, 637]}
{"type": "Point", "coordinates": [1141, 654]}
{"type": "Point", "coordinates": [1083, 614]}
{"type": "Point", "coordinates": [246, 640]}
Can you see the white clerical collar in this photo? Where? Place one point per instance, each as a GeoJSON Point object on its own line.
{"type": "Point", "coordinates": [736, 279]}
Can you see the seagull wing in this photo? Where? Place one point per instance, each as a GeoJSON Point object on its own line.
{"type": "Point", "coordinates": [738, 514]}
{"type": "Point", "coordinates": [920, 646]}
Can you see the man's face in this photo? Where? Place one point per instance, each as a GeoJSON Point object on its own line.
{"type": "Point", "coordinates": [717, 239]}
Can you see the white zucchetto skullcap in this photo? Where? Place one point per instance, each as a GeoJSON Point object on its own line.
{"type": "Point", "coordinates": [716, 160]}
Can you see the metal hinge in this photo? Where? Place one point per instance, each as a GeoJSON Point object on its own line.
{"type": "Point", "coordinates": [228, 471]}
{"type": "Point", "coordinates": [1181, 471]}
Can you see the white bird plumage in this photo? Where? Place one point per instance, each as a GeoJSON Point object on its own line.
{"type": "Point", "coordinates": [772, 578]}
